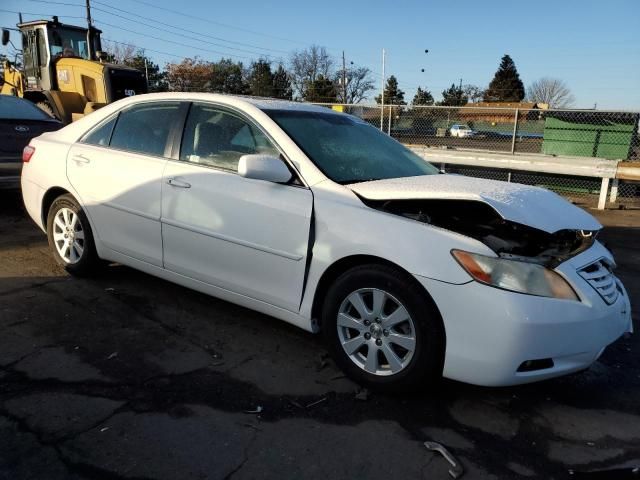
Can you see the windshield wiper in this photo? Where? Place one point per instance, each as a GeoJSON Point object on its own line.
{"type": "Point", "coordinates": [357, 180]}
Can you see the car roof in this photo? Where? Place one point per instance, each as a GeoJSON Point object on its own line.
{"type": "Point", "coordinates": [240, 101]}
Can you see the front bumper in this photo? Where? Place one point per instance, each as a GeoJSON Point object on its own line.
{"type": "Point", "coordinates": [492, 332]}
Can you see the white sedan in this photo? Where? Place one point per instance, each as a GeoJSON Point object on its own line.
{"type": "Point", "coordinates": [461, 131]}
{"type": "Point", "coordinates": [318, 219]}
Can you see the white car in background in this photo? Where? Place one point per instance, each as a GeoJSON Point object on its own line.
{"type": "Point", "coordinates": [319, 219]}
{"type": "Point", "coordinates": [460, 131]}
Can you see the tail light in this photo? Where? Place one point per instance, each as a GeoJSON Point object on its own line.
{"type": "Point", "coordinates": [27, 153]}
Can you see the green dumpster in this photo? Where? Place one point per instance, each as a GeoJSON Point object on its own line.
{"type": "Point", "coordinates": [601, 138]}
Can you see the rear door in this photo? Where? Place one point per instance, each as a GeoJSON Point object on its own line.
{"type": "Point", "coordinates": [117, 171]}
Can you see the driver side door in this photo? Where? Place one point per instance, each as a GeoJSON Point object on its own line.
{"type": "Point", "coordinates": [243, 235]}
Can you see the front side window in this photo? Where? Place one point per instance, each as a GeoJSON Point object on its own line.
{"type": "Point", "coordinates": [347, 149]}
{"type": "Point", "coordinates": [145, 128]}
{"type": "Point", "coordinates": [217, 138]}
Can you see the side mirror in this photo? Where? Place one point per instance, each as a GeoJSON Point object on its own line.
{"type": "Point", "coordinates": [5, 36]}
{"type": "Point", "coordinates": [264, 167]}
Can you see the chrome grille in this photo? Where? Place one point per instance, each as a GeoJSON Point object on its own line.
{"type": "Point", "coordinates": [600, 277]}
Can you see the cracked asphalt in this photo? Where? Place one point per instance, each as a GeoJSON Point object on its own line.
{"type": "Point", "coordinates": [125, 376]}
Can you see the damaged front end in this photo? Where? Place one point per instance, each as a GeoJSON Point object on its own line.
{"type": "Point", "coordinates": [480, 221]}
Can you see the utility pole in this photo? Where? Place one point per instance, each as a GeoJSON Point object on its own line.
{"type": "Point", "coordinates": [89, 32]}
{"type": "Point", "coordinates": [382, 94]}
{"type": "Point", "coordinates": [89, 14]}
{"type": "Point", "coordinates": [344, 79]}
{"type": "Point", "coordinates": [146, 71]}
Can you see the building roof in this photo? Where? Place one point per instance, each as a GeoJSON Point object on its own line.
{"type": "Point", "coordinates": [524, 105]}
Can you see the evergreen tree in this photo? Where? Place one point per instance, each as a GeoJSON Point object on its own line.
{"type": "Point", "coordinates": [422, 97]}
{"type": "Point", "coordinates": [157, 79]}
{"type": "Point", "coordinates": [321, 90]}
{"type": "Point", "coordinates": [392, 94]}
{"type": "Point", "coordinates": [282, 87]}
{"type": "Point", "coordinates": [454, 96]}
{"type": "Point", "coordinates": [261, 79]}
{"type": "Point", "coordinates": [227, 77]}
{"type": "Point", "coordinates": [506, 85]}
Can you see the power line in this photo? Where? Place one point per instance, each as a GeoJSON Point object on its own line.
{"type": "Point", "coordinates": [209, 21]}
{"type": "Point", "coordinates": [223, 54]}
{"type": "Point", "coordinates": [181, 28]}
{"type": "Point", "coordinates": [138, 22]}
{"type": "Point", "coordinates": [39, 14]}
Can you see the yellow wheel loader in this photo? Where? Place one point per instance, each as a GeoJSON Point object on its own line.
{"type": "Point", "coordinates": [64, 71]}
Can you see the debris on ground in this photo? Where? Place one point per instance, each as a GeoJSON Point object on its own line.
{"type": "Point", "coordinates": [322, 362]}
{"type": "Point", "coordinates": [313, 404]}
{"type": "Point", "coordinates": [456, 470]}
{"type": "Point", "coordinates": [625, 472]}
{"type": "Point", "coordinates": [112, 356]}
{"type": "Point", "coordinates": [104, 429]}
{"type": "Point", "coordinates": [251, 425]}
{"type": "Point", "coordinates": [295, 404]}
{"type": "Point", "coordinates": [258, 409]}
{"type": "Point", "coordinates": [362, 395]}
{"type": "Point", "coordinates": [109, 289]}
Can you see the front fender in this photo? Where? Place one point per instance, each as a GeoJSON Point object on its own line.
{"type": "Point", "coordinates": [345, 227]}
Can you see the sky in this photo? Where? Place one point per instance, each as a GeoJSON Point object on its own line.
{"type": "Point", "coordinates": [592, 45]}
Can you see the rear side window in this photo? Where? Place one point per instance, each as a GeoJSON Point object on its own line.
{"type": "Point", "coordinates": [102, 134]}
{"type": "Point", "coordinates": [145, 128]}
{"type": "Point", "coordinates": [13, 108]}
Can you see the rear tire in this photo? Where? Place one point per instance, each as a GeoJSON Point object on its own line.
{"type": "Point", "coordinates": [375, 341]}
{"type": "Point", "coordinates": [70, 237]}
{"type": "Point", "coordinates": [47, 108]}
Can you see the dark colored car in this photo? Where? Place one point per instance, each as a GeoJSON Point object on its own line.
{"type": "Point", "coordinates": [20, 121]}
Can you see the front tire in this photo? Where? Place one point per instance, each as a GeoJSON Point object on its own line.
{"type": "Point", "coordinates": [383, 329]}
{"type": "Point", "coordinates": [70, 236]}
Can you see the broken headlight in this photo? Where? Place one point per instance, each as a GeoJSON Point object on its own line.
{"type": "Point", "coordinates": [517, 276]}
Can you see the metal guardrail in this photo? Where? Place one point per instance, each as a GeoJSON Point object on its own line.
{"type": "Point", "coordinates": [586, 155]}
{"type": "Point", "coordinates": [606, 171]}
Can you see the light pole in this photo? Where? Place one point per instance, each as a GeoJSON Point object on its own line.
{"type": "Point", "coordinates": [382, 94]}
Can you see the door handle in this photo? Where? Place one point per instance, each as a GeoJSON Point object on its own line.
{"type": "Point", "coordinates": [178, 183]}
{"type": "Point", "coordinates": [80, 159]}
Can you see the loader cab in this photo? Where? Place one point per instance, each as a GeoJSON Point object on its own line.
{"type": "Point", "coordinates": [44, 42]}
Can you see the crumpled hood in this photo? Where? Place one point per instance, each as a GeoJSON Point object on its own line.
{"type": "Point", "coordinates": [533, 206]}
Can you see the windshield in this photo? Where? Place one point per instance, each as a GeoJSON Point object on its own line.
{"type": "Point", "coordinates": [347, 149]}
{"type": "Point", "coordinates": [65, 42]}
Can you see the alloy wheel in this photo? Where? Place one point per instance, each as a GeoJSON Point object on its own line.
{"type": "Point", "coordinates": [68, 235]}
{"type": "Point", "coordinates": [376, 331]}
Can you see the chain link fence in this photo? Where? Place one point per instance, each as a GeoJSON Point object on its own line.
{"type": "Point", "coordinates": [532, 131]}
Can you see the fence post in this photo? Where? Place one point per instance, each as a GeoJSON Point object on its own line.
{"type": "Point", "coordinates": [515, 131]}
{"type": "Point", "coordinates": [602, 201]}
{"type": "Point", "coordinates": [390, 113]}
{"type": "Point", "coordinates": [613, 196]}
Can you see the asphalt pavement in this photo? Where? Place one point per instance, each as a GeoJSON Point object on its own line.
{"type": "Point", "coordinates": [125, 376]}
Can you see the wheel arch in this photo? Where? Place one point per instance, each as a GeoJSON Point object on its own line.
{"type": "Point", "coordinates": [346, 263]}
{"type": "Point", "coordinates": [48, 199]}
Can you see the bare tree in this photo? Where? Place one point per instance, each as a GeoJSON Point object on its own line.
{"type": "Point", "coordinates": [552, 91]}
{"type": "Point", "coordinates": [121, 53]}
{"type": "Point", "coordinates": [359, 83]}
{"type": "Point", "coordinates": [473, 92]}
{"type": "Point", "coordinates": [307, 65]}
